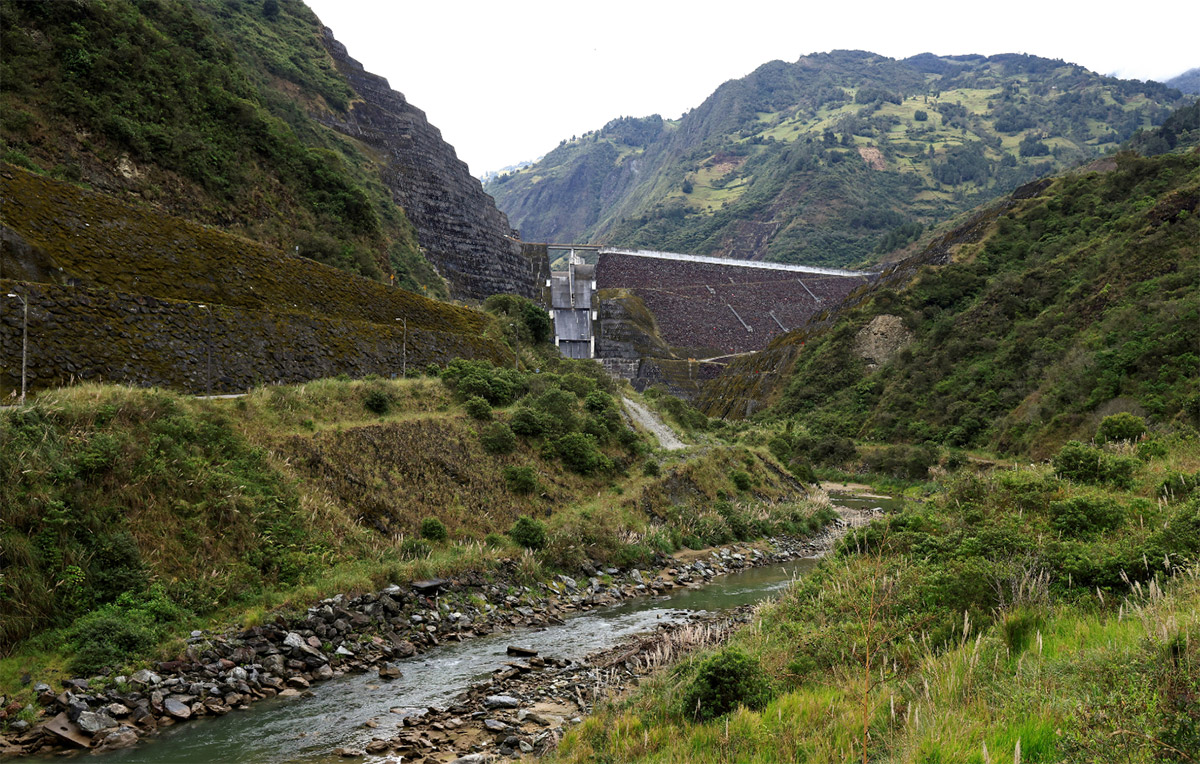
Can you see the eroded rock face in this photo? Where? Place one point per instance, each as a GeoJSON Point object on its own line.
{"type": "Point", "coordinates": [881, 339]}
{"type": "Point", "coordinates": [463, 234]}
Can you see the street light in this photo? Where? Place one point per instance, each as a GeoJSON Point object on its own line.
{"type": "Point", "coordinates": [208, 352]}
{"type": "Point", "coordinates": [24, 341]}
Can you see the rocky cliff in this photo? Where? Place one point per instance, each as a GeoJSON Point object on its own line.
{"type": "Point", "coordinates": [458, 225]}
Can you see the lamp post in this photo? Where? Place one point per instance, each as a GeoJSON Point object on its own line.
{"type": "Point", "coordinates": [208, 352]}
{"type": "Point", "coordinates": [24, 340]}
{"type": "Point", "coordinates": [404, 351]}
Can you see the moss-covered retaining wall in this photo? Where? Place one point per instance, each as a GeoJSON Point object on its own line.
{"type": "Point", "coordinates": [77, 333]}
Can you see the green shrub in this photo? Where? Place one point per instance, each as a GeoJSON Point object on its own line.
{"type": "Point", "coordinates": [1123, 426]}
{"type": "Point", "coordinates": [1151, 450]}
{"type": "Point", "coordinates": [1088, 464]}
{"type": "Point", "coordinates": [803, 472]}
{"type": "Point", "coordinates": [598, 402]}
{"type": "Point", "coordinates": [741, 479]}
{"type": "Point", "coordinates": [522, 480]}
{"type": "Point", "coordinates": [434, 530]}
{"type": "Point", "coordinates": [121, 631]}
{"type": "Point", "coordinates": [528, 532]}
{"type": "Point", "coordinates": [478, 408]}
{"type": "Point", "coordinates": [527, 422]}
{"type": "Point", "coordinates": [1083, 515]}
{"type": "Point", "coordinates": [498, 438]}
{"type": "Point", "coordinates": [651, 468]}
{"type": "Point", "coordinates": [579, 453]}
{"type": "Point", "coordinates": [377, 402]}
{"type": "Point", "coordinates": [433, 370]}
{"type": "Point", "coordinates": [724, 681]}
{"type": "Point", "coordinates": [415, 549]}
{"type": "Point", "coordinates": [495, 540]}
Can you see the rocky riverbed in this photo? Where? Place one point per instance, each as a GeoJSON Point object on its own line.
{"type": "Point", "coordinates": [521, 709]}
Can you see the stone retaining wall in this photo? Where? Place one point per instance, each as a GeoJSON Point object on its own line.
{"type": "Point", "coordinates": [77, 333]}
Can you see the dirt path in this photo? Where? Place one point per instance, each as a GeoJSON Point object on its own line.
{"type": "Point", "coordinates": [646, 418]}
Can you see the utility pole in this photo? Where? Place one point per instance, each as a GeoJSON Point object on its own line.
{"type": "Point", "coordinates": [404, 350]}
{"type": "Point", "coordinates": [24, 341]}
{"type": "Point", "coordinates": [208, 353]}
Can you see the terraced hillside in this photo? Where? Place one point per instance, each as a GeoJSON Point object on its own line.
{"type": "Point", "coordinates": [834, 159]}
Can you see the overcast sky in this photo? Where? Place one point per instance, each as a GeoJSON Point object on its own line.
{"type": "Point", "coordinates": [505, 81]}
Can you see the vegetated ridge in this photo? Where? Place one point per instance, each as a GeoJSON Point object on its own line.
{"type": "Point", "coordinates": [1073, 299]}
{"type": "Point", "coordinates": [834, 159]}
{"type": "Point", "coordinates": [250, 117]}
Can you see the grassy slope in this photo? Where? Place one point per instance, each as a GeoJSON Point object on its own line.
{"type": "Point", "coordinates": [1076, 303]}
{"type": "Point", "coordinates": [165, 512]}
{"type": "Point", "coordinates": [984, 617]}
{"type": "Point", "coordinates": [200, 109]}
{"type": "Point", "coordinates": [778, 154]}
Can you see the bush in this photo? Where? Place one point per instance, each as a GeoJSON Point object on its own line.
{"type": "Point", "coordinates": [1151, 450]}
{"type": "Point", "coordinates": [579, 453]}
{"type": "Point", "coordinates": [651, 468]}
{"type": "Point", "coordinates": [527, 422]}
{"type": "Point", "coordinates": [377, 402]}
{"type": "Point", "coordinates": [495, 540]}
{"type": "Point", "coordinates": [434, 530]}
{"type": "Point", "coordinates": [741, 480]}
{"type": "Point", "coordinates": [1087, 464]}
{"type": "Point", "coordinates": [1123, 426]}
{"type": "Point", "coordinates": [478, 408]}
{"type": "Point", "coordinates": [498, 438]}
{"type": "Point", "coordinates": [121, 631]}
{"type": "Point", "coordinates": [520, 480]}
{"type": "Point", "coordinates": [724, 681]}
{"type": "Point", "coordinates": [415, 549]}
{"type": "Point", "coordinates": [1084, 516]}
{"type": "Point", "coordinates": [528, 532]}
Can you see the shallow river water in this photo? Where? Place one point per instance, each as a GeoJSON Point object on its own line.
{"type": "Point", "coordinates": [276, 731]}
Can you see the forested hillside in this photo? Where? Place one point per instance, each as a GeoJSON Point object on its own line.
{"type": "Point", "coordinates": [1076, 299]}
{"type": "Point", "coordinates": [835, 159]}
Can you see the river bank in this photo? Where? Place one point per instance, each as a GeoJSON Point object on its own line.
{"type": "Point", "coordinates": [220, 673]}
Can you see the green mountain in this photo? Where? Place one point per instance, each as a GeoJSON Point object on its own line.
{"type": "Point", "coordinates": [1072, 299]}
{"type": "Point", "coordinates": [834, 159]}
{"type": "Point", "coordinates": [250, 117]}
{"type": "Point", "coordinates": [1188, 82]}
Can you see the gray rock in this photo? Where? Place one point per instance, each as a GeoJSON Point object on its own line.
{"type": "Point", "coordinates": [500, 701]}
{"type": "Point", "coordinates": [324, 673]}
{"type": "Point", "coordinates": [636, 575]}
{"type": "Point", "coordinates": [117, 710]}
{"type": "Point", "coordinates": [122, 737]}
{"type": "Point", "coordinates": [237, 674]}
{"type": "Point", "coordinates": [494, 725]}
{"type": "Point", "coordinates": [293, 640]}
{"type": "Point", "coordinates": [146, 677]}
{"type": "Point", "coordinates": [177, 708]}
{"type": "Point", "coordinates": [20, 725]}
{"type": "Point", "coordinates": [41, 687]}
{"type": "Point", "coordinates": [471, 758]}
{"type": "Point", "coordinates": [92, 722]}
{"type": "Point", "coordinates": [524, 746]}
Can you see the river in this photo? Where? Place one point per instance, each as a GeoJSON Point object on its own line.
{"type": "Point", "coordinates": [307, 729]}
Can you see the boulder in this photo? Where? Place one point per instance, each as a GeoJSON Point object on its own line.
{"type": "Point", "coordinates": [121, 737]}
{"type": "Point", "coordinates": [177, 709]}
{"type": "Point", "coordinates": [500, 701]}
{"type": "Point", "coordinates": [91, 722]}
